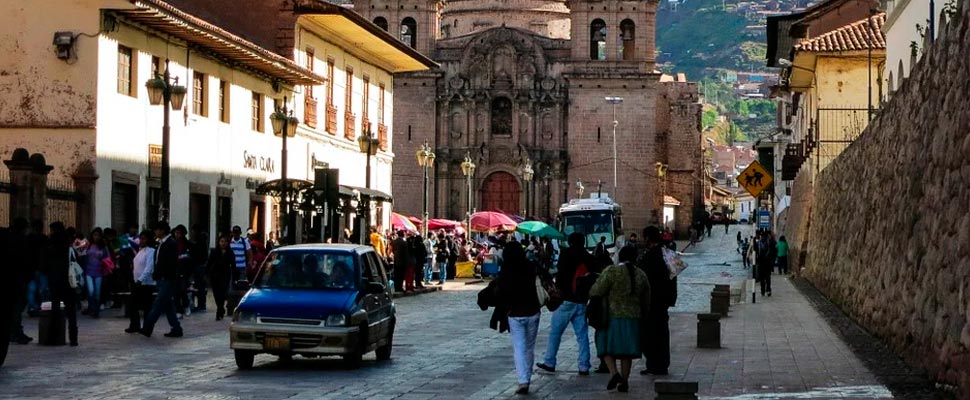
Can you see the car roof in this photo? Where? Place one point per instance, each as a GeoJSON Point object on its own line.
{"type": "Point", "coordinates": [327, 246]}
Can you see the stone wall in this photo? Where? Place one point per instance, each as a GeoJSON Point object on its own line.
{"type": "Point", "coordinates": [889, 238]}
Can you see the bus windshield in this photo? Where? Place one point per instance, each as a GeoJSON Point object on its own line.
{"type": "Point", "coordinates": [592, 224]}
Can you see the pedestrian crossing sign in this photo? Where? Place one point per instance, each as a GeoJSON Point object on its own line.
{"type": "Point", "coordinates": [755, 178]}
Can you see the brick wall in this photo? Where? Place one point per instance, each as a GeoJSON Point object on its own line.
{"type": "Point", "coordinates": [414, 124]}
{"type": "Point", "coordinates": [889, 239]}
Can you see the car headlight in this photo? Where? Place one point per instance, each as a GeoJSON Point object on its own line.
{"type": "Point", "coordinates": [243, 316]}
{"type": "Point", "coordinates": [337, 320]}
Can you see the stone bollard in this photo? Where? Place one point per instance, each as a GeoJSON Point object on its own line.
{"type": "Point", "coordinates": [709, 331]}
{"type": "Point", "coordinates": [672, 390]}
{"type": "Point", "coordinates": [721, 300]}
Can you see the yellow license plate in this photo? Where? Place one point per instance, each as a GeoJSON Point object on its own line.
{"type": "Point", "coordinates": [277, 343]}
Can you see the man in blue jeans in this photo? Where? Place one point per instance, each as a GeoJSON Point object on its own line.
{"type": "Point", "coordinates": [165, 275]}
{"type": "Point", "coordinates": [576, 272]}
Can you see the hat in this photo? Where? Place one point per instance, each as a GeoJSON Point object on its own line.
{"type": "Point", "coordinates": [250, 231]}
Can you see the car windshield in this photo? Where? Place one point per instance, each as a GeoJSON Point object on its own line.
{"type": "Point", "coordinates": [592, 224]}
{"type": "Point", "coordinates": [308, 269]}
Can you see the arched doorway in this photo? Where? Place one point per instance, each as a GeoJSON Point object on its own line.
{"type": "Point", "coordinates": [501, 192]}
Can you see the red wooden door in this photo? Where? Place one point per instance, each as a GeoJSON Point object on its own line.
{"type": "Point", "coordinates": [501, 192]}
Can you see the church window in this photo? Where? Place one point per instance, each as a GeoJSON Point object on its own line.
{"type": "Point", "coordinates": [409, 32]}
{"type": "Point", "coordinates": [502, 116]}
{"type": "Point", "coordinates": [381, 22]}
{"type": "Point", "coordinates": [627, 40]}
{"type": "Point", "coordinates": [597, 40]}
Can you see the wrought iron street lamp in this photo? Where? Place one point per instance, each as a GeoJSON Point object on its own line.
{"type": "Point", "coordinates": [426, 161]}
{"type": "Point", "coordinates": [165, 91]}
{"type": "Point", "coordinates": [284, 125]}
{"type": "Point", "coordinates": [614, 101]}
{"type": "Point", "coordinates": [368, 145]}
{"type": "Point", "coordinates": [527, 174]}
{"type": "Point", "coordinates": [468, 169]}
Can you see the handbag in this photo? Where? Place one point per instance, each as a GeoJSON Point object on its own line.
{"type": "Point", "coordinates": [597, 312]}
{"type": "Point", "coordinates": [541, 292]}
{"type": "Point", "coordinates": [74, 270]}
{"type": "Point", "coordinates": [107, 266]}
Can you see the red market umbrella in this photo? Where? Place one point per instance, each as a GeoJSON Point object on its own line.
{"type": "Point", "coordinates": [490, 221]}
{"type": "Point", "coordinates": [399, 222]}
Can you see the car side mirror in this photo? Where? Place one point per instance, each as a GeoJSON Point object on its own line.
{"type": "Point", "coordinates": [375, 288]}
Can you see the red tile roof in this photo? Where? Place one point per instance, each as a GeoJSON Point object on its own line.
{"type": "Point", "coordinates": [850, 37]}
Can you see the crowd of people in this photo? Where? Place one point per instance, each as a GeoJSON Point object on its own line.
{"type": "Point", "coordinates": [153, 273]}
{"type": "Point", "coordinates": [626, 302]}
{"type": "Point", "coordinates": [764, 255]}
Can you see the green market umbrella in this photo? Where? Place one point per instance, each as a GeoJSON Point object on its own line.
{"type": "Point", "coordinates": [539, 229]}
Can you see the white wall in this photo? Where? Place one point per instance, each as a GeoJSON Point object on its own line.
{"type": "Point", "coordinates": [902, 16]}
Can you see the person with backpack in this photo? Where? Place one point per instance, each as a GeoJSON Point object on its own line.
{"type": "Point", "coordinates": [626, 290]}
{"type": "Point", "coordinates": [57, 257]}
{"type": "Point", "coordinates": [576, 273]}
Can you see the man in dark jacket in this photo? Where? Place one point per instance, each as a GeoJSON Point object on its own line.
{"type": "Point", "coordinates": [402, 258]}
{"type": "Point", "coordinates": [576, 273]}
{"type": "Point", "coordinates": [418, 253]}
{"type": "Point", "coordinates": [655, 342]}
{"type": "Point", "coordinates": [165, 276]}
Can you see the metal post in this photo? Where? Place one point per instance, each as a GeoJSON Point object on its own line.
{"type": "Point", "coordinates": [365, 204]}
{"type": "Point", "coordinates": [424, 221]}
{"type": "Point", "coordinates": [165, 200]}
{"type": "Point", "coordinates": [468, 206]}
{"type": "Point", "coordinates": [615, 123]}
{"type": "Point", "coordinates": [285, 190]}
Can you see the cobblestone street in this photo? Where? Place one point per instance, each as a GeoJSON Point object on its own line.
{"type": "Point", "coordinates": [779, 348]}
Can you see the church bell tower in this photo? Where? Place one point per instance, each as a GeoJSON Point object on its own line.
{"type": "Point", "coordinates": [614, 30]}
{"type": "Point", "coordinates": [414, 22]}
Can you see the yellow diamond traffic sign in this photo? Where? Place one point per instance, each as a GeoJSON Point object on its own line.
{"type": "Point", "coordinates": [755, 179]}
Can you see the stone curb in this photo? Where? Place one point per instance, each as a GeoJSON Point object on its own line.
{"type": "Point", "coordinates": [430, 289]}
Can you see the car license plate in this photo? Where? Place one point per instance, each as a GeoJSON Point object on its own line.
{"type": "Point", "coordinates": [277, 343]}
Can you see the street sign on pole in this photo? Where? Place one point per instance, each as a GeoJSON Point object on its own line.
{"type": "Point", "coordinates": [755, 179]}
{"type": "Point", "coordinates": [764, 219]}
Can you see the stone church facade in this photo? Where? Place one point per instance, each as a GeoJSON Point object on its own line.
{"type": "Point", "coordinates": [525, 81]}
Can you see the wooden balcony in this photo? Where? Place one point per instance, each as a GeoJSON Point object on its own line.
{"type": "Point", "coordinates": [310, 112]}
{"type": "Point", "coordinates": [382, 136]}
{"type": "Point", "coordinates": [350, 128]}
{"type": "Point", "coordinates": [331, 119]}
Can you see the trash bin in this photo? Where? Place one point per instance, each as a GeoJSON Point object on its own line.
{"type": "Point", "coordinates": [51, 327]}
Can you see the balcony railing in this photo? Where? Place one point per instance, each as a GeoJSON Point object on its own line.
{"type": "Point", "coordinates": [310, 112]}
{"type": "Point", "coordinates": [350, 128]}
{"type": "Point", "coordinates": [382, 136]}
{"type": "Point", "coordinates": [836, 129]}
{"type": "Point", "coordinates": [331, 119]}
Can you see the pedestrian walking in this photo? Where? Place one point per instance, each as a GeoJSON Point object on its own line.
{"type": "Point", "coordinates": [94, 270]}
{"type": "Point", "coordinates": [57, 258]}
{"type": "Point", "coordinates": [221, 270]}
{"type": "Point", "coordinates": [782, 247]}
{"type": "Point", "coordinates": [517, 285]}
{"type": "Point", "coordinates": [418, 254]}
{"type": "Point", "coordinates": [765, 263]}
{"type": "Point", "coordinates": [739, 241]}
{"type": "Point", "coordinates": [258, 254]}
{"type": "Point", "coordinates": [184, 270]}
{"type": "Point", "coordinates": [429, 244]}
{"type": "Point", "coordinates": [745, 248]}
{"type": "Point", "coordinates": [242, 250]}
{"type": "Point", "coordinates": [143, 286]}
{"type": "Point", "coordinates": [450, 267]}
{"type": "Point", "coordinates": [200, 258]}
{"type": "Point", "coordinates": [575, 275]}
{"type": "Point", "coordinates": [663, 295]}
{"type": "Point", "coordinates": [626, 291]}
{"type": "Point", "coordinates": [165, 276]}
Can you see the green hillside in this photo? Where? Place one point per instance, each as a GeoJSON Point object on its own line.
{"type": "Point", "coordinates": [698, 37]}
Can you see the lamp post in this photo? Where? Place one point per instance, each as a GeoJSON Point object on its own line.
{"type": "Point", "coordinates": [468, 169]}
{"type": "Point", "coordinates": [284, 125]}
{"type": "Point", "coordinates": [426, 161]}
{"type": "Point", "coordinates": [165, 91]}
{"type": "Point", "coordinates": [368, 145]}
{"type": "Point", "coordinates": [527, 174]}
{"type": "Point", "coordinates": [614, 101]}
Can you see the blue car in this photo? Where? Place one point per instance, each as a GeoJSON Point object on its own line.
{"type": "Point", "coordinates": [316, 300]}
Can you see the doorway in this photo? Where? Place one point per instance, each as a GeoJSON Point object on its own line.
{"type": "Point", "coordinates": [501, 192]}
{"type": "Point", "coordinates": [199, 211]}
{"type": "Point", "coordinates": [257, 216]}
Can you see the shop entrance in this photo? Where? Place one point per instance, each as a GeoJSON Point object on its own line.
{"type": "Point", "coordinates": [199, 211]}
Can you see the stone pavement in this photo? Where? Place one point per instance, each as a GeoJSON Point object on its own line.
{"type": "Point", "coordinates": [779, 348]}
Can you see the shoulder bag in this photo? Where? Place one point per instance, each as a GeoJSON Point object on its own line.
{"type": "Point", "coordinates": [74, 271]}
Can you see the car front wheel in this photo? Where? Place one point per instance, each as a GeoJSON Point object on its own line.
{"type": "Point", "coordinates": [244, 359]}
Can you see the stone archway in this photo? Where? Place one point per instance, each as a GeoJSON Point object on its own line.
{"type": "Point", "coordinates": [501, 192]}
